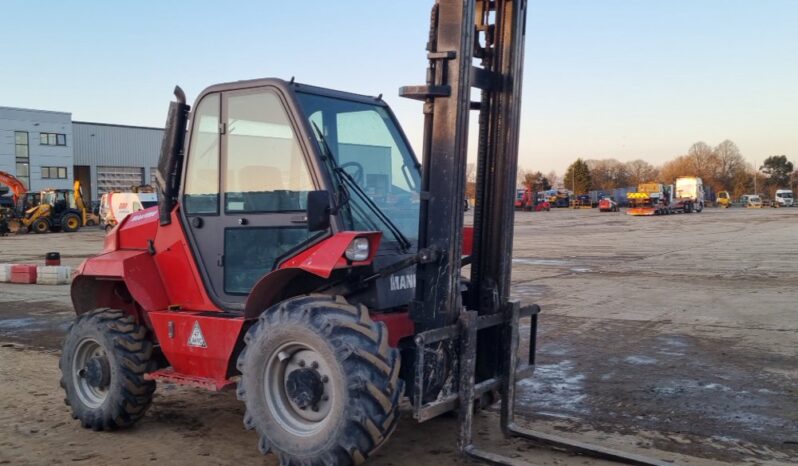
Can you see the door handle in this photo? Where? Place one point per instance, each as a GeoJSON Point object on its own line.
{"type": "Point", "coordinates": [299, 219]}
{"type": "Point", "coordinates": [243, 221]}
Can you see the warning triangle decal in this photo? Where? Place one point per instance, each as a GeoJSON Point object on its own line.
{"type": "Point", "coordinates": [196, 338]}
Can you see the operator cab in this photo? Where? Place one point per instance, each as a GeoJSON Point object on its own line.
{"type": "Point", "coordinates": [258, 149]}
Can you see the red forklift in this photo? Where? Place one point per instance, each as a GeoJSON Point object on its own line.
{"type": "Point", "coordinates": [300, 254]}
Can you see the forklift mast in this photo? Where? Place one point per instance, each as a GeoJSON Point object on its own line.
{"type": "Point", "coordinates": [462, 32]}
{"type": "Point", "coordinates": [484, 321]}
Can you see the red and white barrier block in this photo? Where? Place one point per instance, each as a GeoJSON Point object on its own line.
{"type": "Point", "coordinates": [33, 274]}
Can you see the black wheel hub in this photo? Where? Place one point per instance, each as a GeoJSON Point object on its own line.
{"type": "Point", "coordinates": [304, 387]}
{"type": "Point", "coordinates": [97, 372]}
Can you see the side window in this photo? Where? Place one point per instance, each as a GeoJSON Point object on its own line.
{"type": "Point", "coordinates": [201, 192]}
{"type": "Point", "coordinates": [265, 170]}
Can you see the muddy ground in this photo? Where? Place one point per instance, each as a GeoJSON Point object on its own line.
{"type": "Point", "coordinates": [674, 337]}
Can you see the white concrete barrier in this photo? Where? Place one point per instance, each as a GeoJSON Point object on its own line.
{"type": "Point", "coordinates": [5, 273]}
{"type": "Point", "coordinates": [53, 275]}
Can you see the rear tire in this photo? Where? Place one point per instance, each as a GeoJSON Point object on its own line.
{"type": "Point", "coordinates": [70, 223]}
{"type": "Point", "coordinates": [320, 383]}
{"type": "Point", "coordinates": [103, 362]}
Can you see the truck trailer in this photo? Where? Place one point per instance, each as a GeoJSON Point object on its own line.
{"type": "Point", "coordinates": [650, 199]}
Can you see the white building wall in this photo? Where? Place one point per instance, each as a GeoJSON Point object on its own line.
{"type": "Point", "coordinates": [35, 122]}
{"type": "Point", "coordinates": [108, 145]}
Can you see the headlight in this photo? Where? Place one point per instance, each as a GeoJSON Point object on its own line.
{"type": "Point", "coordinates": [358, 250]}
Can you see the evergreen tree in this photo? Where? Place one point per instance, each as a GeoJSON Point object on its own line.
{"type": "Point", "coordinates": [577, 178]}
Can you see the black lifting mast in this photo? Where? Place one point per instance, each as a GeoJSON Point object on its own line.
{"type": "Point", "coordinates": [467, 342]}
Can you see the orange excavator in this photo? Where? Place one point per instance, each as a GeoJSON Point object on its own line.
{"type": "Point", "coordinates": [17, 190]}
{"type": "Point", "coordinates": [17, 187]}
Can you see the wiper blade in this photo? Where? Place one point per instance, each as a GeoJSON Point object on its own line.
{"type": "Point", "coordinates": [341, 194]}
{"type": "Point", "coordinates": [404, 243]}
{"type": "Point", "coordinates": [345, 178]}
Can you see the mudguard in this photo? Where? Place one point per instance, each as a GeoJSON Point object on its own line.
{"type": "Point", "coordinates": [311, 266]}
{"type": "Point", "coordinates": [135, 268]}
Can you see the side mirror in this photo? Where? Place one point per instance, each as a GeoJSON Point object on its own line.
{"type": "Point", "coordinates": [318, 210]}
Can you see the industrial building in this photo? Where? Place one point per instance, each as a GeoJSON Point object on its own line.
{"type": "Point", "coordinates": [46, 149]}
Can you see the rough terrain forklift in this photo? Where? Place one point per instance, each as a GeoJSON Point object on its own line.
{"type": "Point", "coordinates": [301, 254]}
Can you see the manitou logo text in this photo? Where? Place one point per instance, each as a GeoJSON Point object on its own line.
{"type": "Point", "coordinates": [403, 282]}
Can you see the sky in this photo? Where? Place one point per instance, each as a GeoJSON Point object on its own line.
{"type": "Point", "coordinates": [622, 79]}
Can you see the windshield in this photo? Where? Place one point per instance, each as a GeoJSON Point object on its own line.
{"type": "Point", "coordinates": [48, 197]}
{"type": "Point", "coordinates": [366, 143]}
{"type": "Point", "coordinates": [686, 187]}
{"type": "Point", "coordinates": [784, 195]}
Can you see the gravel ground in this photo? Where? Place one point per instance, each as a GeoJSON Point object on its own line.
{"type": "Point", "coordinates": [670, 336]}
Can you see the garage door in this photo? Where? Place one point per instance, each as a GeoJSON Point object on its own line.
{"type": "Point", "coordinates": [118, 178]}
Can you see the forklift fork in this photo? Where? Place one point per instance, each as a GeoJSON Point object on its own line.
{"type": "Point", "coordinates": [470, 323]}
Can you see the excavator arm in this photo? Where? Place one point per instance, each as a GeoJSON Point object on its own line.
{"type": "Point", "coordinates": [17, 187]}
{"type": "Point", "coordinates": [80, 202]}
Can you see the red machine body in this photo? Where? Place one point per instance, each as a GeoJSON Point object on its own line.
{"type": "Point", "coordinates": [148, 270]}
{"type": "Point", "coordinates": [607, 205]}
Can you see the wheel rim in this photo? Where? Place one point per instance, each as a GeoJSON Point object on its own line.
{"type": "Point", "coordinates": [298, 388]}
{"type": "Point", "coordinates": [41, 226]}
{"type": "Point", "coordinates": [72, 222]}
{"type": "Point", "coordinates": [91, 373]}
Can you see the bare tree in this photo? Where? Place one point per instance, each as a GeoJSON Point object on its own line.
{"type": "Point", "coordinates": [535, 181]}
{"type": "Point", "coordinates": [680, 166]}
{"type": "Point", "coordinates": [729, 161]}
{"type": "Point", "coordinates": [471, 173]}
{"type": "Point", "coordinates": [702, 159]}
{"type": "Point", "coordinates": [554, 179]}
{"type": "Point", "coordinates": [608, 174]}
{"type": "Point", "coordinates": [520, 176]}
{"type": "Point", "coordinates": [471, 181]}
{"type": "Point", "coordinates": [640, 171]}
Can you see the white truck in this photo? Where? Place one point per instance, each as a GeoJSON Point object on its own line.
{"type": "Point", "coordinates": [688, 194]}
{"type": "Point", "coordinates": [784, 198]}
{"type": "Point", "coordinates": [114, 207]}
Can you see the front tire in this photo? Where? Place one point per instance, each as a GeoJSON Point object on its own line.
{"type": "Point", "coordinates": [40, 226]}
{"type": "Point", "coordinates": [103, 362]}
{"type": "Point", "coordinates": [320, 382]}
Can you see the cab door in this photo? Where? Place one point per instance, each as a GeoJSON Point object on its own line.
{"type": "Point", "coordinates": [246, 190]}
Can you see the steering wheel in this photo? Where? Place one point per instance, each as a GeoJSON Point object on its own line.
{"type": "Point", "coordinates": [357, 173]}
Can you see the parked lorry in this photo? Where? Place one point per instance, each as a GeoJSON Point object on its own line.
{"type": "Point", "coordinates": [783, 198]}
{"type": "Point", "coordinates": [688, 195]}
{"type": "Point", "coordinates": [650, 199]}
